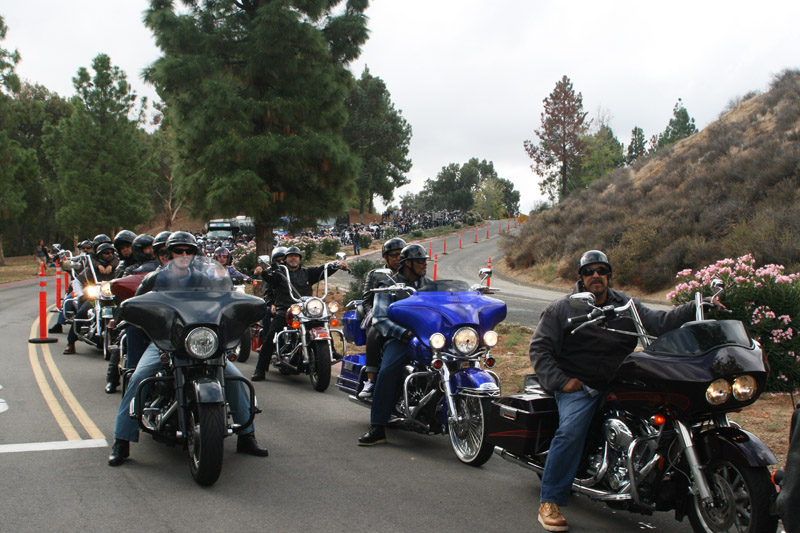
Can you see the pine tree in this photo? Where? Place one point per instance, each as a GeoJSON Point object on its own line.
{"type": "Point", "coordinates": [256, 94]}
{"type": "Point", "coordinates": [603, 154]}
{"type": "Point", "coordinates": [680, 126]}
{"type": "Point", "coordinates": [557, 156]}
{"type": "Point", "coordinates": [638, 146]}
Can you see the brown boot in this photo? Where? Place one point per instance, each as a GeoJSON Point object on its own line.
{"type": "Point", "coordinates": [551, 518]}
{"type": "Point", "coordinates": [70, 348]}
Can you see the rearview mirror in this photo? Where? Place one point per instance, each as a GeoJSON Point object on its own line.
{"type": "Point", "coordinates": [264, 260]}
{"type": "Point", "coordinates": [582, 300]}
{"type": "Point", "coordinates": [485, 273]}
{"type": "Point", "coordinates": [341, 256]}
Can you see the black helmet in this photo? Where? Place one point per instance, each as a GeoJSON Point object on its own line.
{"type": "Point", "coordinates": [413, 251]}
{"type": "Point", "coordinates": [124, 238]}
{"type": "Point", "coordinates": [277, 254]}
{"type": "Point", "coordinates": [102, 247]}
{"type": "Point", "coordinates": [85, 244]}
{"type": "Point", "coordinates": [393, 244]}
{"type": "Point", "coordinates": [591, 257]}
{"type": "Point", "coordinates": [139, 244]}
{"type": "Point", "coordinates": [160, 241]}
{"type": "Point", "coordinates": [294, 250]}
{"type": "Point", "coordinates": [100, 239]}
{"type": "Point", "coordinates": [182, 238]}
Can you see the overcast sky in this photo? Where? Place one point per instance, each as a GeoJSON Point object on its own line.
{"type": "Point", "coordinates": [470, 75]}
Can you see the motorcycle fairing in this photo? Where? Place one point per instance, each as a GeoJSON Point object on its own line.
{"type": "Point", "coordinates": [474, 379]}
{"type": "Point", "coordinates": [426, 313]}
{"type": "Point", "coordinates": [722, 441]}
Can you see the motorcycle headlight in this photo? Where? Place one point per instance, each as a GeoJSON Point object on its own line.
{"type": "Point", "coordinates": [437, 341]}
{"type": "Point", "coordinates": [718, 392]}
{"type": "Point", "coordinates": [465, 340]}
{"type": "Point", "coordinates": [92, 292]}
{"type": "Point", "coordinates": [744, 388]}
{"type": "Point", "coordinates": [201, 343]}
{"type": "Point", "coordinates": [333, 307]}
{"type": "Point", "coordinates": [490, 338]}
{"type": "Point", "coordinates": [105, 290]}
{"type": "Point", "coordinates": [296, 309]}
{"type": "Point", "coordinates": [315, 307]}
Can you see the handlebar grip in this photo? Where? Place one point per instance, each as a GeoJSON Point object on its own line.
{"type": "Point", "coordinates": [574, 321]}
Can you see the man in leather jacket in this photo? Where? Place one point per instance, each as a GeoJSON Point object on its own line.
{"type": "Point", "coordinates": [183, 249]}
{"type": "Point", "coordinates": [413, 261]}
{"type": "Point", "coordinates": [279, 298]}
{"type": "Point", "coordinates": [391, 255]}
{"type": "Point", "coordinates": [578, 368]}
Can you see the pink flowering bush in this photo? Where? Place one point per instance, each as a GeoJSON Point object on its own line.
{"type": "Point", "coordinates": [765, 299]}
{"type": "Point", "coordinates": [244, 257]}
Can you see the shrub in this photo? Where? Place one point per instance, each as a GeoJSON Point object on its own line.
{"type": "Point", "coordinates": [329, 246]}
{"type": "Point", "coordinates": [390, 232]}
{"type": "Point", "coordinates": [359, 270]}
{"type": "Point", "coordinates": [364, 240]}
{"type": "Point", "coordinates": [417, 233]}
{"type": "Point", "coordinates": [766, 300]}
{"type": "Point", "coordinates": [307, 245]}
{"type": "Point", "coordinates": [244, 258]}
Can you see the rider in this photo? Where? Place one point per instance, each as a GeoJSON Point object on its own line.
{"type": "Point", "coordinates": [413, 266]}
{"type": "Point", "coordinates": [279, 298]}
{"type": "Point", "coordinates": [160, 247]}
{"type": "Point", "coordinates": [183, 248]}
{"type": "Point", "coordinates": [123, 242]}
{"type": "Point", "coordinates": [578, 367]}
{"type": "Point", "coordinates": [85, 247]}
{"type": "Point", "coordinates": [391, 255]}
{"type": "Point", "coordinates": [223, 255]}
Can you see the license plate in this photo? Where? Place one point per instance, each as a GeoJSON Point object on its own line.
{"type": "Point", "coordinates": [107, 312]}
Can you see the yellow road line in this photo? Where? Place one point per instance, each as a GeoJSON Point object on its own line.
{"type": "Point", "coordinates": [49, 398]}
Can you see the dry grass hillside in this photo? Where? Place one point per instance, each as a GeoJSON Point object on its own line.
{"type": "Point", "coordinates": [733, 188]}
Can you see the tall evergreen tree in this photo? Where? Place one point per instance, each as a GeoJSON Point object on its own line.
{"type": "Point", "coordinates": [379, 135]}
{"type": "Point", "coordinates": [638, 146]}
{"type": "Point", "coordinates": [256, 94]}
{"type": "Point", "coordinates": [603, 154]}
{"type": "Point", "coordinates": [680, 126]}
{"type": "Point", "coordinates": [100, 155]}
{"type": "Point", "coordinates": [558, 153]}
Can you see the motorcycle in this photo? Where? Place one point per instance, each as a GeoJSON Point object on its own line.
{"type": "Point", "coordinates": [445, 390]}
{"type": "Point", "coordinates": [197, 330]}
{"type": "Point", "coordinates": [661, 440]}
{"type": "Point", "coordinates": [306, 345]}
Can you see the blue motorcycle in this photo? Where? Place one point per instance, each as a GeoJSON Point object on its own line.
{"type": "Point", "coordinates": [447, 383]}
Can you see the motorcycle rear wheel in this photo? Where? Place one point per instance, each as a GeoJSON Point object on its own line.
{"type": "Point", "coordinates": [206, 425]}
{"type": "Point", "coordinates": [741, 495]}
{"type": "Point", "coordinates": [244, 346]}
{"type": "Point", "coordinates": [468, 437]}
{"type": "Point", "coordinates": [319, 370]}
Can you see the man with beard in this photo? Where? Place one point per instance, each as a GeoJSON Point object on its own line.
{"type": "Point", "coordinates": [577, 369]}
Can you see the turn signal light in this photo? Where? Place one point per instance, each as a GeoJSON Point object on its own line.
{"type": "Point", "coordinates": [296, 324]}
{"type": "Point", "coordinates": [438, 364]}
{"type": "Point", "coordinates": [232, 357]}
{"type": "Point", "coordinates": [334, 322]}
{"type": "Point", "coordinates": [490, 362]}
{"type": "Point", "coordinates": [659, 420]}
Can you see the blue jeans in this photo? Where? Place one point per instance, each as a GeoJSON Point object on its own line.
{"type": "Point", "coordinates": [385, 392]}
{"type": "Point", "coordinates": [127, 428]}
{"type": "Point", "coordinates": [575, 413]}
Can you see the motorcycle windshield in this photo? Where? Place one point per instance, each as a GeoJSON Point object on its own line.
{"type": "Point", "coordinates": [442, 306]}
{"type": "Point", "coordinates": [191, 291]}
{"type": "Point", "coordinates": [696, 338]}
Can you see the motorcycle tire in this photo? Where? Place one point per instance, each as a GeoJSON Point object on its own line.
{"type": "Point", "coordinates": [741, 494]}
{"type": "Point", "coordinates": [244, 346]}
{"type": "Point", "coordinates": [319, 370]}
{"type": "Point", "coordinates": [206, 430]}
{"type": "Point", "coordinates": [468, 437]}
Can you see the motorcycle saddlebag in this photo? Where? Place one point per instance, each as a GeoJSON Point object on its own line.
{"type": "Point", "coordinates": [352, 329]}
{"type": "Point", "coordinates": [523, 424]}
{"type": "Point", "coordinates": [349, 377]}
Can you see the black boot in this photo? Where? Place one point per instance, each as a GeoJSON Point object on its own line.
{"type": "Point", "coordinates": [56, 329]}
{"type": "Point", "coordinates": [111, 387]}
{"type": "Point", "coordinates": [258, 375]}
{"type": "Point", "coordinates": [248, 444]}
{"type": "Point", "coordinates": [120, 450]}
{"type": "Point", "coordinates": [375, 435]}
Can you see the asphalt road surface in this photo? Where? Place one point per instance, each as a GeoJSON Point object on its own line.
{"type": "Point", "coordinates": [56, 425]}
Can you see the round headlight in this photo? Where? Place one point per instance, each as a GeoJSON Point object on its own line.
{"type": "Point", "coordinates": [718, 392]}
{"type": "Point", "coordinates": [92, 292]}
{"type": "Point", "coordinates": [490, 338]}
{"type": "Point", "coordinates": [744, 388]}
{"type": "Point", "coordinates": [105, 290]}
{"type": "Point", "coordinates": [437, 341]}
{"type": "Point", "coordinates": [295, 309]}
{"type": "Point", "coordinates": [315, 307]}
{"type": "Point", "coordinates": [465, 340]}
{"type": "Point", "coordinates": [201, 343]}
{"type": "Point", "coordinates": [333, 307]}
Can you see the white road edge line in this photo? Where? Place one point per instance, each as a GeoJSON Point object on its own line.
{"type": "Point", "coordinates": [55, 445]}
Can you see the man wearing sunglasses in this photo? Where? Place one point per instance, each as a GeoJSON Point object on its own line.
{"type": "Point", "coordinates": [578, 368]}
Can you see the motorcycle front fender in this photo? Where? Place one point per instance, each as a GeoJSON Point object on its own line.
{"type": "Point", "coordinates": [474, 380]}
{"type": "Point", "coordinates": [319, 334]}
{"type": "Point", "coordinates": [733, 441]}
{"type": "Point", "coordinates": [207, 390]}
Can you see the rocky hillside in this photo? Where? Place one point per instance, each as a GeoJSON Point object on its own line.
{"type": "Point", "coordinates": [731, 189]}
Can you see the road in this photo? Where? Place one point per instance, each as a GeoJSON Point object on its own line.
{"type": "Point", "coordinates": [56, 424]}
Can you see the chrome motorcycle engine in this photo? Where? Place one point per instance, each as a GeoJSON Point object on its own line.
{"type": "Point", "coordinates": [609, 462]}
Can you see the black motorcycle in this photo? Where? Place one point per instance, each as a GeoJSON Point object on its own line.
{"type": "Point", "coordinates": [197, 325]}
{"type": "Point", "coordinates": [661, 440]}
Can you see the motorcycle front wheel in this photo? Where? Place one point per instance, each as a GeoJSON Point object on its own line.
{"type": "Point", "coordinates": [206, 425]}
{"type": "Point", "coordinates": [320, 365]}
{"type": "Point", "coordinates": [468, 432]}
{"type": "Point", "coordinates": [244, 346]}
{"type": "Point", "coordinates": [741, 495]}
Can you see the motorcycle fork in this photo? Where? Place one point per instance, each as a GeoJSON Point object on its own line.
{"type": "Point", "coordinates": [449, 395]}
{"type": "Point", "coordinates": [700, 484]}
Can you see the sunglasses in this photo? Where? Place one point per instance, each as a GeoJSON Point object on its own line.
{"type": "Point", "coordinates": [393, 254]}
{"type": "Point", "coordinates": [420, 261]}
{"type": "Point", "coordinates": [106, 252]}
{"type": "Point", "coordinates": [182, 251]}
{"type": "Point", "coordinates": [601, 271]}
